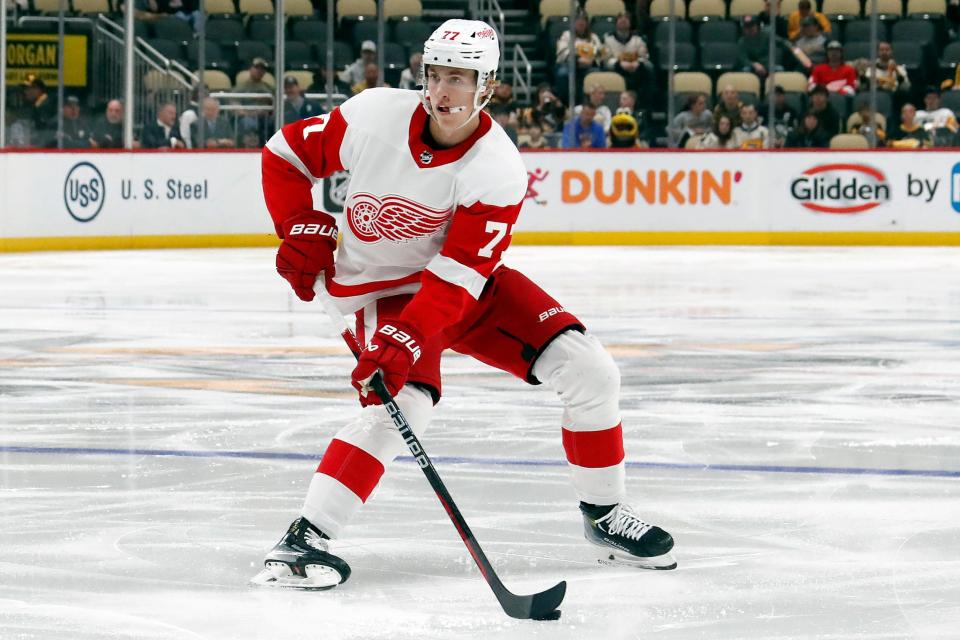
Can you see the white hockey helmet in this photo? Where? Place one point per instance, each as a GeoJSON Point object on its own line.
{"type": "Point", "coordinates": [467, 44]}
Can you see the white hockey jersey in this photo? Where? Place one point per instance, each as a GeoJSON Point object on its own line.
{"type": "Point", "coordinates": [418, 219]}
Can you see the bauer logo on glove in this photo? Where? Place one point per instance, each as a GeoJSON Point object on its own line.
{"type": "Point", "coordinates": [314, 229]}
{"type": "Point", "coordinates": [393, 349]}
{"type": "Point", "coordinates": [403, 338]}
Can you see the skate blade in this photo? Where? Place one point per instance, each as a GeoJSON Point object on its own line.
{"type": "Point", "coordinates": [278, 575]}
{"type": "Point", "coordinates": [613, 558]}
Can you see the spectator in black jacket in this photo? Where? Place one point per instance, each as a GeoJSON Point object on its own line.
{"type": "Point", "coordinates": [76, 129]}
{"type": "Point", "coordinates": [295, 105]}
{"type": "Point", "coordinates": [809, 134]}
{"type": "Point", "coordinates": [41, 110]}
{"type": "Point", "coordinates": [217, 132]}
{"type": "Point", "coordinates": [108, 130]}
{"type": "Point", "coordinates": [165, 132]}
{"type": "Point", "coordinates": [753, 48]}
{"type": "Point", "coordinates": [826, 114]}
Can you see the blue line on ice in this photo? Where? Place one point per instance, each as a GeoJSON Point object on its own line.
{"type": "Point", "coordinates": [507, 462]}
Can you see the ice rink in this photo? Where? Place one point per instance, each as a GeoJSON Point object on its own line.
{"type": "Point", "coordinates": [791, 416]}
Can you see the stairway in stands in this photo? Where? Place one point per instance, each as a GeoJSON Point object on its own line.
{"type": "Point", "coordinates": [520, 28]}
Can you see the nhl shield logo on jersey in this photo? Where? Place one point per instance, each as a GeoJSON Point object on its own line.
{"type": "Point", "coordinates": [426, 157]}
{"type": "Point", "coordinates": [393, 218]}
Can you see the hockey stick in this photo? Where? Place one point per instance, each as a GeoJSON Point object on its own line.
{"type": "Point", "coordinates": [538, 606]}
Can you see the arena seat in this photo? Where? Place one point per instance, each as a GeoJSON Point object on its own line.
{"type": "Point", "coordinates": [849, 141]}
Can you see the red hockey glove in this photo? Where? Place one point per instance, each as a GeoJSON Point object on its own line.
{"type": "Point", "coordinates": [307, 249]}
{"type": "Point", "coordinates": [395, 347]}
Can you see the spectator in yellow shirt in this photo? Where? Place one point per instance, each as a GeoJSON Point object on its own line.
{"type": "Point", "coordinates": [804, 9]}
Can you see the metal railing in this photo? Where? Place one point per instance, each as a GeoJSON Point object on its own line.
{"type": "Point", "coordinates": [522, 82]}
{"type": "Point", "coordinates": [156, 78]}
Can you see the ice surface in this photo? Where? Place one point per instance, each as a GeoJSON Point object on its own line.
{"type": "Point", "coordinates": [790, 415]}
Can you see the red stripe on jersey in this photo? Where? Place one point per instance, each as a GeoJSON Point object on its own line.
{"type": "Point", "coordinates": [286, 191]}
{"type": "Point", "coordinates": [479, 234]}
{"type": "Point", "coordinates": [477, 237]}
{"type": "Point", "coordinates": [438, 305]}
{"type": "Point", "coordinates": [360, 327]}
{"type": "Point", "coordinates": [426, 156]}
{"type": "Point", "coordinates": [317, 140]}
{"type": "Point", "coordinates": [351, 466]}
{"type": "Point", "coordinates": [347, 290]}
{"type": "Point", "coordinates": [594, 449]}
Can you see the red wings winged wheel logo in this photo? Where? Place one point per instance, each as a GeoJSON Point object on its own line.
{"type": "Point", "coordinates": [393, 218]}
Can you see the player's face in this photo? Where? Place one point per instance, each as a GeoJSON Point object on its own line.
{"type": "Point", "coordinates": [451, 92]}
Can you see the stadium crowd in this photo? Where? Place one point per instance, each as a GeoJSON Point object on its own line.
{"type": "Point", "coordinates": [828, 92]}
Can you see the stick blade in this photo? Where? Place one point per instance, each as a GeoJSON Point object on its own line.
{"type": "Point", "coordinates": [539, 606]}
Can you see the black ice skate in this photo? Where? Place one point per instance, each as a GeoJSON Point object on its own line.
{"type": "Point", "coordinates": [625, 538]}
{"type": "Point", "coordinates": [302, 560]}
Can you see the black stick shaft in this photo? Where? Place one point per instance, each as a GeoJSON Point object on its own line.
{"type": "Point", "coordinates": [539, 605]}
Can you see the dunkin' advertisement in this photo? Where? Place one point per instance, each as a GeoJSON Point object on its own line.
{"type": "Point", "coordinates": [748, 191]}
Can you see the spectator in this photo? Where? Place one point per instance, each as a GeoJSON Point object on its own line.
{"type": "Point", "coordinates": [371, 78]}
{"type": "Point", "coordinates": [582, 131]}
{"type": "Point", "coordinates": [151, 10]}
{"type": "Point", "coordinates": [811, 41]}
{"type": "Point", "coordinates": [890, 76]}
{"type": "Point", "coordinates": [503, 119]}
{"type": "Point", "coordinates": [410, 77]}
{"type": "Point", "coordinates": [694, 120]}
{"type": "Point", "coordinates": [255, 81]}
{"type": "Point", "coordinates": [911, 134]}
{"type": "Point", "coordinates": [108, 130]}
{"type": "Point", "coordinates": [41, 110]}
{"type": "Point", "coordinates": [750, 134]}
{"type": "Point", "coordinates": [810, 134]}
{"type": "Point", "coordinates": [549, 113]}
{"type": "Point", "coordinates": [784, 117]}
{"type": "Point", "coordinates": [190, 115]}
{"type": "Point", "coordinates": [356, 72]}
{"type": "Point", "coordinates": [624, 132]}
{"type": "Point", "coordinates": [938, 120]}
{"type": "Point", "coordinates": [320, 83]}
{"type": "Point", "coordinates": [720, 137]}
{"type": "Point", "coordinates": [627, 54]}
{"type": "Point", "coordinates": [164, 133]}
{"type": "Point", "coordinates": [764, 17]}
{"type": "Point", "coordinates": [835, 74]}
{"type": "Point", "coordinates": [729, 104]}
{"type": "Point", "coordinates": [642, 12]}
{"type": "Point", "coordinates": [868, 123]}
{"type": "Point", "coordinates": [217, 132]}
{"type": "Point", "coordinates": [796, 20]}
{"type": "Point", "coordinates": [588, 49]}
{"type": "Point", "coordinates": [295, 105]}
{"type": "Point", "coordinates": [533, 139]}
{"type": "Point", "coordinates": [826, 114]}
{"type": "Point", "coordinates": [76, 129]}
{"type": "Point", "coordinates": [627, 103]}
{"type": "Point", "coordinates": [597, 98]}
{"type": "Point", "coordinates": [754, 47]}
{"type": "Point", "coordinates": [250, 139]}
{"type": "Point", "coordinates": [503, 101]}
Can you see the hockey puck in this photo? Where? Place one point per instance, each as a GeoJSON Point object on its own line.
{"type": "Point", "coordinates": [553, 615]}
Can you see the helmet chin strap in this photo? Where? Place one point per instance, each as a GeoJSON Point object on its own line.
{"type": "Point", "coordinates": [457, 109]}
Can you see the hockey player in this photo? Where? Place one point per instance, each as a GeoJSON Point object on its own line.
{"type": "Point", "coordinates": [435, 190]}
